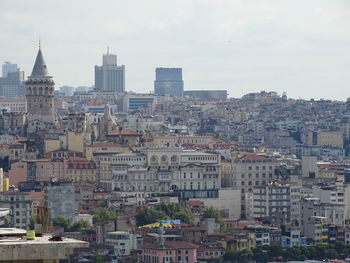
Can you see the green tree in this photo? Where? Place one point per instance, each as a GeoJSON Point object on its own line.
{"type": "Point", "coordinates": [79, 225]}
{"type": "Point", "coordinates": [103, 214]}
{"type": "Point", "coordinates": [61, 222]}
{"type": "Point", "coordinates": [98, 258]}
{"type": "Point", "coordinates": [149, 215]}
{"type": "Point", "coordinates": [212, 212]}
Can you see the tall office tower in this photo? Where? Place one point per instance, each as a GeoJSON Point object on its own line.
{"type": "Point", "coordinates": [110, 77]}
{"type": "Point", "coordinates": [169, 82]}
{"type": "Point", "coordinates": [40, 97]}
{"type": "Point", "coordinates": [12, 85]}
{"type": "Point", "coordinates": [8, 67]}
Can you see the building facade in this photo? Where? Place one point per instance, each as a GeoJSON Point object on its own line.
{"type": "Point", "coordinates": [169, 82]}
{"type": "Point", "coordinates": [110, 77]}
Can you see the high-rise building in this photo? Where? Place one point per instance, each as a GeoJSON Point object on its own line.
{"type": "Point", "coordinates": [67, 90]}
{"type": "Point", "coordinates": [110, 77]}
{"type": "Point", "coordinates": [169, 82]}
{"type": "Point", "coordinates": [40, 97]}
{"type": "Point", "coordinates": [207, 94]}
{"type": "Point", "coordinates": [12, 85]}
{"type": "Point", "coordinates": [8, 67]}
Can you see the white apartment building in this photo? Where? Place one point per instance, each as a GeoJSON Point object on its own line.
{"type": "Point", "coordinates": [13, 105]}
{"type": "Point", "coordinates": [277, 202]}
{"type": "Point", "coordinates": [160, 170]}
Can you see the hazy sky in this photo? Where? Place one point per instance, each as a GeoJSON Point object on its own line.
{"type": "Point", "coordinates": [298, 46]}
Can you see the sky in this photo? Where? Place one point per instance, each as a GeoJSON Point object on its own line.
{"type": "Point", "coordinates": [301, 47]}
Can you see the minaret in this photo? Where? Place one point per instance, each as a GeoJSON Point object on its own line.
{"type": "Point", "coordinates": [40, 91]}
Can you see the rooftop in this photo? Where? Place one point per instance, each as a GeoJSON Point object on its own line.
{"type": "Point", "coordinates": [14, 246]}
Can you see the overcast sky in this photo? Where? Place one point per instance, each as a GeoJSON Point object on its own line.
{"type": "Point", "coordinates": [301, 47]}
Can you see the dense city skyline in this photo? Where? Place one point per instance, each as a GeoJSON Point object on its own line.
{"type": "Point", "coordinates": [242, 46]}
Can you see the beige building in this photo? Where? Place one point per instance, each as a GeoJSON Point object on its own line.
{"type": "Point", "coordinates": [325, 138]}
{"type": "Point", "coordinates": [160, 170]}
{"type": "Point", "coordinates": [75, 142]}
{"type": "Point", "coordinates": [249, 171]}
{"type": "Point", "coordinates": [330, 138]}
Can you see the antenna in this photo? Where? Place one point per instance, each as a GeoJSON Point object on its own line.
{"type": "Point", "coordinates": [107, 50]}
{"type": "Point", "coordinates": [39, 43]}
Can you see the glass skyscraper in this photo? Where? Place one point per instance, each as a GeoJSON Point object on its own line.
{"type": "Point", "coordinates": [169, 82]}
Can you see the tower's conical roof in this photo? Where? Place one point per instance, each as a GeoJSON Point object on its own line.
{"type": "Point", "coordinates": [40, 68]}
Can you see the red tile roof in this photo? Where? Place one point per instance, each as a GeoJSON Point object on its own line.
{"type": "Point", "coordinates": [80, 163]}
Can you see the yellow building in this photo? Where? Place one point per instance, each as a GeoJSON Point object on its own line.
{"type": "Point", "coordinates": [75, 142]}
{"type": "Point", "coordinates": [52, 145]}
{"type": "Point", "coordinates": [226, 173]}
{"type": "Point", "coordinates": [330, 138]}
{"type": "Point", "coordinates": [81, 169]}
{"type": "Point", "coordinates": [325, 138]}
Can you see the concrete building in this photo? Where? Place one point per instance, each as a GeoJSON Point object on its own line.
{"type": "Point", "coordinates": [309, 167]}
{"type": "Point", "coordinates": [21, 207]}
{"type": "Point", "coordinates": [40, 97]}
{"type": "Point", "coordinates": [169, 82]}
{"type": "Point", "coordinates": [249, 171]}
{"type": "Point", "coordinates": [228, 203]}
{"type": "Point", "coordinates": [317, 216]}
{"type": "Point", "coordinates": [277, 202]}
{"type": "Point", "coordinates": [39, 250]}
{"type": "Point", "coordinates": [207, 94]}
{"type": "Point", "coordinates": [133, 102]}
{"type": "Point", "coordinates": [122, 242]}
{"type": "Point", "coordinates": [60, 199]}
{"type": "Point", "coordinates": [110, 77]}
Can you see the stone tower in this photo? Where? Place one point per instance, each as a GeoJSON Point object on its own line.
{"type": "Point", "coordinates": [40, 97]}
{"type": "Point", "coordinates": [40, 89]}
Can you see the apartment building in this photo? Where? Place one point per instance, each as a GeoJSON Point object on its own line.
{"type": "Point", "coordinates": [249, 171]}
{"type": "Point", "coordinates": [277, 202]}
{"type": "Point", "coordinates": [21, 207]}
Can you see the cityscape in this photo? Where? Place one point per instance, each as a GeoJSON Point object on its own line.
{"type": "Point", "coordinates": [104, 173]}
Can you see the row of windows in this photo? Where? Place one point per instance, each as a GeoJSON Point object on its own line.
{"type": "Point", "coordinates": [258, 167]}
{"type": "Point", "coordinates": [203, 158]}
{"type": "Point", "coordinates": [263, 175]}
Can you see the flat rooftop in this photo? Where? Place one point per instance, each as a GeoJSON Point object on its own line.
{"type": "Point", "coordinates": [14, 247]}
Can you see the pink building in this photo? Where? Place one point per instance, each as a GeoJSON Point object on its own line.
{"type": "Point", "coordinates": [18, 173]}
{"type": "Point", "coordinates": [47, 169]}
{"type": "Point", "coordinates": [172, 251]}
